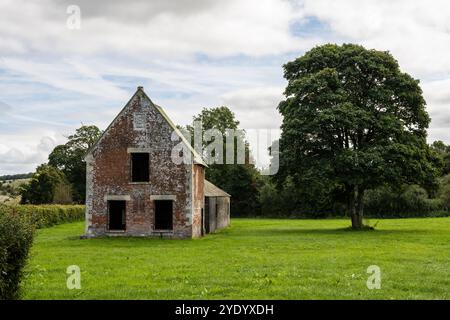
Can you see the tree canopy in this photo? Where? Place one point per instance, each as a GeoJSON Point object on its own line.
{"type": "Point", "coordinates": [44, 186]}
{"type": "Point", "coordinates": [443, 151]}
{"type": "Point", "coordinates": [352, 118]}
{"type": "Point", "coordinates": [69, 158]}
{"type": "Point", "coordinates": [240, 180]}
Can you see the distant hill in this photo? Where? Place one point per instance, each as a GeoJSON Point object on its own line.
{"type": "Point", "coordinates": [16, 176]}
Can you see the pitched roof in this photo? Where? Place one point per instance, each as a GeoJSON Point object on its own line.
{"type": "Point", "coordinates": [197, 158]}
{"type": "Point", "coordinates": [214, 191]}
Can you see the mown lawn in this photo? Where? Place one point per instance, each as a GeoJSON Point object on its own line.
{"type": "Point", "coordinates": [254, 259]}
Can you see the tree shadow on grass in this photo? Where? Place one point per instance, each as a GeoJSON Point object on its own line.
{"type": "Point", "coordinates": [336, 231]}
{"type": "Point", "coordinates": [243, 233]}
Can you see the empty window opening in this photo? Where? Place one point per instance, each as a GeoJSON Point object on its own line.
{"type": "Point", "coordinates": [140, 167]}
{"type": "Point", "coordinates": [116, 215]}
{"type": "Point", "coordinates": [163, 214]}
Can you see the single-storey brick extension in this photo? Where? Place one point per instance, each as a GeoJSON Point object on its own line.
{"type": "Point", "coordinates": [134, 188]}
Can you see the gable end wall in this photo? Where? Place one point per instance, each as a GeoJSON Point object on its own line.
{"type": "Point", "coordinates": [108, 175]}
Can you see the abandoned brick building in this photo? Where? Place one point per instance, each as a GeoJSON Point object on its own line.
{"type": "Point", "coordinates": [135, 188]}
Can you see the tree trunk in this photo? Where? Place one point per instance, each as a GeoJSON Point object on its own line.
{"type": "Point", "coordinates": [356, 207]}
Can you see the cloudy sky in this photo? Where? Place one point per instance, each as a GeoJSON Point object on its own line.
{"type": "Point", "coordinates": [190, 54]}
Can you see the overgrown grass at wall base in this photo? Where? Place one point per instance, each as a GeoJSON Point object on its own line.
{"type": "Point", "coordinates": [16, 237]}
{"type": "Point", "coordinates": [42, 216]}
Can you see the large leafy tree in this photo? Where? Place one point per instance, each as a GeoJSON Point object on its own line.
{"type": "Point", "coordinates": [240, 180]}
{"type": "Point", "coordinates": [352, 118]}
{"type": "Point", "coordinates": [69, 158]}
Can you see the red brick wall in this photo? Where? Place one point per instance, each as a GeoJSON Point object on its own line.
{"type": "Point", "coordinates": [110, 174]}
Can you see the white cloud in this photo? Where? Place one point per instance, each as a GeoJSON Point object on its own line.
{"type": "Point", "coordinates": [22, 154]}
{"type": "Point", "coordinates": [216, 28]}
{"type": "Point", "coordinates": [416, 32]}
{"type": "Point", "coordinates": [71, 76]}
{"type": "Point", "coordinates": [191, 54]}
{"type": "Point", "coordinates": [438, 100]}
{"type": "Point", "coordinates": [4, 108]}
{"type": "Point", "coordinates": [255, 108]}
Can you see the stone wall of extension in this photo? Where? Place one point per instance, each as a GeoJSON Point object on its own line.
{"type": "Point", "coordinates": [223, 212]}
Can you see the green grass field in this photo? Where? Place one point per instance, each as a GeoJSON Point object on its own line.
{"type": "Point", "coordinates": [254, 259]}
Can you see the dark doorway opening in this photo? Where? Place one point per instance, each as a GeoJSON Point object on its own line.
{"type": "Point", "coordinates": [207, 215]}
{"type": "Point", "coordinates": [202, 222]}
{"type": "Point", "coordinates": [140, 167]}
{"type": "Point", "coordinates": [163, 214]}
{"type": "Point", "coordinates": [116, 215]}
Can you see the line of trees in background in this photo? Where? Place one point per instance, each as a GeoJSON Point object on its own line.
{"type": "Point", "coordinates": [240, 180]}
{"type": "Point", "coordinates": [11, 177]}
{"type": "Point", "coordinates": [252, 194]}
{"type": "Point", "coordinates": [315, 197]}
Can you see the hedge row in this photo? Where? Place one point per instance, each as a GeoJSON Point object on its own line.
{"type": "Point", "coordinates": [41, 216]}
{"type": "Point", "coordinates": [17, 224]}
{"type": "Point", "coordinates": [16, 236]}
{"type": "Point", "coordinates": [412, 201]}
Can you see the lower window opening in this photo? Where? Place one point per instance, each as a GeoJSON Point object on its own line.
{"type": "Point", "coordinates": [116, 215]}
{"type": "Point", "coordinates": [163, 214]}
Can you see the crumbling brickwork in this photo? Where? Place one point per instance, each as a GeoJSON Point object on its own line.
{"type": "Point", "coordinates": [142, 127]}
